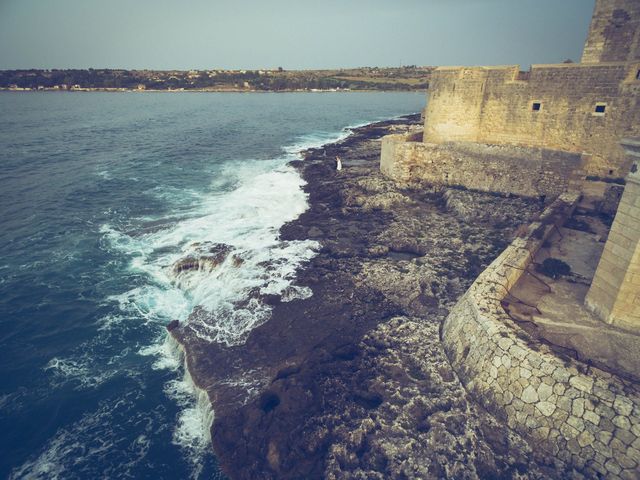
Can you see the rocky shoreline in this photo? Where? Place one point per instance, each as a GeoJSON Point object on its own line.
{"type": "Point", "coordinates": [353, 382]}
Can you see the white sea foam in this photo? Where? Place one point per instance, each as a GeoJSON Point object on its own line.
{"type": "Point", "coordinates": [318, 139]}
{"type": "Point", "coordinates": [192, 431]}
{"type": "Point", "coordinates": [93, 446]}
{"type": "Point", "coordinates": [247, 219]}
{"type": "Point", "coordinates": [248, 203]}
{"type": "Point", "coordinates": [78, 370]}
{"type": "Point", "coordinates": [104, 174]}
{"type": "Point", "coordinates": [166, 352]}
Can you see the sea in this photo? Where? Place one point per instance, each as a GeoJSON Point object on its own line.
{"type": "Point", "coordinates": [100, 195]}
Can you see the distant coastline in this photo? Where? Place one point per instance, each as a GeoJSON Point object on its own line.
{"type": "Point", "coordinates": [200, 90]}
{"type": "Point", "coordinates": [408, 78]}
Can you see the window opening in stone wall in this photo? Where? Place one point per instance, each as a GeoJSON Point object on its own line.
{"type": "Point", "coordinates": [638, 75]}
{"type": "Point", "coordinates": [599, 109]}
{"type": "Point", "coordinates": [536, 106]}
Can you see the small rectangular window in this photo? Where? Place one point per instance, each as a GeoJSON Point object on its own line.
{"type": "Point", "coordinates": [599, 109]}
{"type": "Point", "coordinates": [536, 106]}
{"type": "Point", "coordinates": [638, 75]}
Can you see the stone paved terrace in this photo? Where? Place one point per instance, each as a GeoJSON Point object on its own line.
{"type": "Point", "coordinates": [553, 310]}
{"type": "Point", "coordinates": [570, 412]}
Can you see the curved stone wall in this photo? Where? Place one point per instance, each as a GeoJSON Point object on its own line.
{"type": "Point", "coordinates": [586, 418]}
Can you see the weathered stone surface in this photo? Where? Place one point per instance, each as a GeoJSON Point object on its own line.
{"type": "Point", "coordinates": [546, 408]}
{"type": "Point", "coordinates": [623, 406]}
{"type": "Point", "coordinates": [568, 431]}
{"type": "Point", "coordinates": [622, 422]}
{"type": "Point", "coordinates": [585, 438]}
{"type": "Point", "coordinates": [529, 395]}
{"type": "Point", "coordinates": [582, 383]}
{"type": "Point", "coordinates": [625, 436]}
{"type": "Point", "coordinates": [605, 411]}
{"type": "Point", "coordinates": [559, 389]}
{"type": "Point", "coordinates": [575, 403]}
{"type": "Point", "coordinates": [578, 407]}
{"type": "Point", "coordinates": [592, 417]}
{"type": "Point", "coordinates": [544, 391]}
{"type": "Point", "coordinates": [613, 467]}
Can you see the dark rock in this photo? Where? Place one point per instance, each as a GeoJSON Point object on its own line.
{"type": "Point", "coordinates": [186, 264]}
{"type": "Point", "coordinates": [214, 256]}
{"type": "Point", "coordinates": [269, 401]}
{"type": "Point", "coordinates": [315, 232]}
{"type": "Point", "coordinates": [353, 381]}
{"type": "Point", "coordinates": [287, 372]}
{"type": "Point", "coordinates": [271, 299]}
{"type": "Point", "coordinates": [368, 400]}
{"type": "Point", "coordinates": [173, 324]}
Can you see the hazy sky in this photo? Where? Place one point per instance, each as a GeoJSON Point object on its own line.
{"type": "Point", "coordinates": [294, 34]}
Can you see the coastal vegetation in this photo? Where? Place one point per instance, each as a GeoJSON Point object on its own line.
{"type": "Point", "coordinates": [366, 78]}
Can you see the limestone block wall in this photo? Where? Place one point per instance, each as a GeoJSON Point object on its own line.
{"type": "Point", "coordinates": [588, 419]}
{"type": "Point", "coordinates": [552, 106]}
{"type": "Point", "coordinates": [614, 294]}
{"type": "Point", "coordinates": [523, 171]}
{"type": "Point", "coordinates": [456, 98]}
{"type": "Point", "coordinates": [614, 34]}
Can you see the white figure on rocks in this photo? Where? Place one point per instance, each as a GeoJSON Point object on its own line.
{"type": "Point", "coordinates": [338, 163]}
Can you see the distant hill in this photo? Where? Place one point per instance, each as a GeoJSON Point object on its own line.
{"type": "Point", "coordinates": [366, 78]}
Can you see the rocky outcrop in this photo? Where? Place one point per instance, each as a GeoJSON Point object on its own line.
{"type": "Point", "coordinates": [207, 257]}
{"type": "Point", "coordinates": [353, 382]}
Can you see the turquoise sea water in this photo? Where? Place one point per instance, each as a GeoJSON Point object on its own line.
{"type": "Point", "coordinates": [100, 193]}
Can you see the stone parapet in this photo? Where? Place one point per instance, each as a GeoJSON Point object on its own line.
{"type": "Point", "coordinates": [509, 169]}
{"type": "Point", "coordinates": [583, 417]}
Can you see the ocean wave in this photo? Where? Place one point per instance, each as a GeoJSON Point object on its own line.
{"type": "Point", "coordinates": [209, 262]}
{"type": "Point", "coordinates": [221, 300]}
{"type": "Point", "coordinates": [247, 220]}
{"type": "Point", "coordinates": [95, 446]}
{"type": "Point", "coordinates": [316, 140]}
{"type": "Point", "coordinates": [152, 194]}
{"type": "Point", "coordinates": [166, 351]}
{"type": "Point", "coordinates": [77, 370]}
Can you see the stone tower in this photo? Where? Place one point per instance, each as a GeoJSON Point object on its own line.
{"type": "Point", "coordinates": [614, 34]}
{"type": "Point", "coordinates": [615, 291]}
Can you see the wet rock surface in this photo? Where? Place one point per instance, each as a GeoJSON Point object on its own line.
{"type": "Point", "coordinates": [353, 381]}
{"type": "Point", "coordinates": [208, 256]}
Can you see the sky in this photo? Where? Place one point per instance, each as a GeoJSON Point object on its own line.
{"type": "Point", "coordinates": [293, 34]}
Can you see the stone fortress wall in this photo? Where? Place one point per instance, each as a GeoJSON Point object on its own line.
{"type": "Point", "coordinates": [552, 106]}
{"type": "Point", "coordinates": [589, 419]}
{"type": "Point", "coordinates": [582, 109]}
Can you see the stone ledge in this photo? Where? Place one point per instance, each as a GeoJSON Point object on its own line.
{"type": "Point", "coordinates": [585, 418]}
